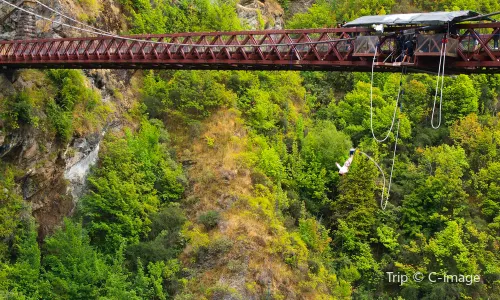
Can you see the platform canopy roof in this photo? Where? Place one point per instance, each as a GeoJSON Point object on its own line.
{"type": "Point", "coordinates": [432, 18]}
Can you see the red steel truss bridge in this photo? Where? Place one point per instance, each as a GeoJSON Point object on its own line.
{"type": "Point", "coordinates": [330, 49]}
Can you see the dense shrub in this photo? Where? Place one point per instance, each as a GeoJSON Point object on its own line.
{"type": "Point", "coordinates": [189, 95]}
{"type": "Point", "coordinates": [73, 106]}
{"type": "Point", "coordinates": [60, 120]}
{"type": "Point", "coordinates": [135, 175]}
{"type": "Point", "coordinates": [210, 219]}
{"type": "Point", "coordinates": [17, 110]}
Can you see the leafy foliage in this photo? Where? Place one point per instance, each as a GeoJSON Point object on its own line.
{"type": "Point", "coordinates": [189, 95]}
{"type": "Point", "coordinates": [17, 110]}
{"type": "Point", "coordinates": [210, 219]}
{"type": "Point", "coordinates": [326, 232]}
{"type": "Point", "coordinates": [135, 176]}
{"type": "Point", "coordinates": [184, 16]}
{"type": "Point", "coordinates": [10, 207]}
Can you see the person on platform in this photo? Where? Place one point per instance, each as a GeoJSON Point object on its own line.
{"type": "Point", "coordinates": [399, 46]}
{"type": "Point", "coordinates": [496, 37]}
{"type": "Point", "coordinates": [409, 49]}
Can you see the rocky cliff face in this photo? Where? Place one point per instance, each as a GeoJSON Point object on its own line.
{"type": "Point", "coordinates": [108, 16]}
{"type": "Point", "coordinates": [261, 14]}
{"type": "Point", "coordinates": [269, 14]}
{"type": "Point", "coordinates": [53, 173]}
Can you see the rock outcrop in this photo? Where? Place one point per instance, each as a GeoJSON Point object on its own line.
{"type": "Point", "coordinates": [298, 6]}
{"type": "Point", "coordinates": [261, 14]}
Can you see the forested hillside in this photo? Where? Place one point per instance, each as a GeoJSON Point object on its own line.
{"type": "Point", "coordinates": [223, 184]}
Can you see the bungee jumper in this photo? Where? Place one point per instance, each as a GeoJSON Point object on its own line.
{"type": "Point", "coordinates": [345, 168]}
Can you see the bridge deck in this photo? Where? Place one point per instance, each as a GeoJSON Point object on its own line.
{"type": "Point", "coordinates": [329, 49]}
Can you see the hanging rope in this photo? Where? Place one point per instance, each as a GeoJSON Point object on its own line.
{"type": "Point", "coordinates": [382, 204]}
{"type": "Point", "coordinates": [393, 161]}
{"type": "Point", "coordinates": [371, 103]}
{"type": "Point", "coordinates": [384, 199]}
{"type": "Point", "coordinates": [442, 58]}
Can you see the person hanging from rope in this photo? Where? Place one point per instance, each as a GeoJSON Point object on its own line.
{"type": "Point", "coordinates": [345, 168]}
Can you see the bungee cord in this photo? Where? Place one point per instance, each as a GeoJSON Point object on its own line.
{"type": "Point", "coordinates": [371, 103]}
{"type": "Point", "coordinates": [382, 204]}
{"type": "Point", "coordinates": [442, 58]}
{"type": "Point", "coordinates": [393, 162]}
{"type": "Point", "coordinates": [385, 197]}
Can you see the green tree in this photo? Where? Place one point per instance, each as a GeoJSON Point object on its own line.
{"type": "Point", "coordinates": [439, 190]}
{"type": "Point", "coordinates": [22, 277]}
{"type": "Point", "coordinates": [326, 144]}
{"type": "Point", "coordinates": [134, 176]}
{"type": "Point", "coordinates": [187, 94]}
{"type": "Point", "coordinates": [356, 203]}
{"type": "Point", "coordinates": [488, 181]}
{"type": "Point", "coordinates": [319, 15]}
{"type": "Point", "coordinates": [73, 268]}
{"type": "Point", "coordinates": [184, 16]}
{"type": "Point", "coordinates": [11, 207]}
{"type": "Point", "coordinates": [459, 98]}
{"type": "Point", "coordinates": [476, 139]}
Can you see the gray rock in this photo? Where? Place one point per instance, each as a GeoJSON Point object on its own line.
{"type": "Point", "coordinates": [299, 6]}
{"type": "Point", "coordinates": [6, 87]}
{"type": "Point", "coordinates": [7, 36]}
{"type": "Point", "coordinates": [228, 175]}
{"type": "Point", "coordinates": [253, 12]}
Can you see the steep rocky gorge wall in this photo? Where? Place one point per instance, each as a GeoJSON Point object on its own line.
{"type": "Point", "coordinates": [107, 14]}
{"type": "Point", "coordinates": [54, 173]}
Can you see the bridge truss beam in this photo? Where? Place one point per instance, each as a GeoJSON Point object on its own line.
{"type": "Point", "coordinates": [329, 49]}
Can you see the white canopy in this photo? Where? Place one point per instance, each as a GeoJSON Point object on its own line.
{"type": "Point", "coordinates": [433, 18]}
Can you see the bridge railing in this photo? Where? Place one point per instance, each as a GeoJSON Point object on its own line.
{"type": "Point", "coordinates": [365, 45]}
{"type": "Point", "coordinates": [431, 45]}
{"type": "Point", "coordinates": [319, 48]}
{"type": "Point", "coordinates": [471, 44]}
{"type": "Point", "coordinates": [319, 45]}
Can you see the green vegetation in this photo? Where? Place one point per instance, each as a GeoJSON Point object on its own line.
{"type": "Point", "coordinates": [210, 219]}
{"type": "Point", "coordinates": [257, 208]}
{"type": "Point", "coordinates": [62, 104]}
{"type": "Point", "coordinates": [160, 16]}
{"type": "Point", "coordinates": [17, 110]}
{"type": "Point", "coordinates": [190, 95]}
{"type": "Point", "coordinates": [135, 186]}
{"type": "Point", "coordinates": [134, 178]}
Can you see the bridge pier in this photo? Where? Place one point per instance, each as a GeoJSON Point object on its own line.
{"type": "Point", "coordinates": [26, 25]}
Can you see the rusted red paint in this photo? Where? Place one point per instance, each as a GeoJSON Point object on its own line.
{"type": "Point", "coordinates": [244, 50]}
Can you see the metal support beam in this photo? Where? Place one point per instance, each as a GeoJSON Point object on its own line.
{"type": "Point", "coordinates": [305, 49]}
